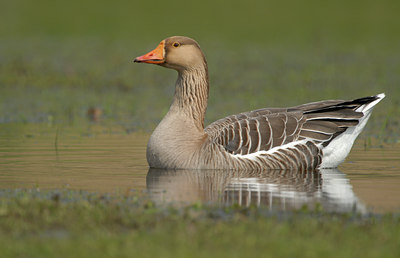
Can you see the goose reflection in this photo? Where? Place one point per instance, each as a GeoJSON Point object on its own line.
{"type": "Point", "coordinates": [278, 190]}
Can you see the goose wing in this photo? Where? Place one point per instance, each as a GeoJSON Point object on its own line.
{"type": "Point", "coordinates": [264, 129]}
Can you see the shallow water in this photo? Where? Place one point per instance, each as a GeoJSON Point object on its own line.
{"type": "Point", "coordinates": [109, 160]}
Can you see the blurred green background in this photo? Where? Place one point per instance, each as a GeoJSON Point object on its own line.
{"type": "Point", "coordinates": [60, 58]}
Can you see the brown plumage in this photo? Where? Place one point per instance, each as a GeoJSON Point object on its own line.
{"type": "Point", "coordinates": [304, 137]}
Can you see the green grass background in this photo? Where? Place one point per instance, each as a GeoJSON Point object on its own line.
{"type": "Point", "coordinates": [78, 224]}
{"type": "Point", "coordinates": [59, 58]}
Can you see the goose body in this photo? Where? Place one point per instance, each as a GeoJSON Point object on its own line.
{"type": "Point", "coordinates": [305, 137]}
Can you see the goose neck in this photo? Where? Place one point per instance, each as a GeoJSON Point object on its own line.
{"type": "Point", "coordinates": [191, 94]}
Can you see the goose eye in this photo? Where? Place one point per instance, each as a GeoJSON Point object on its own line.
{"type": "Point", "coordinates": [176, 44]}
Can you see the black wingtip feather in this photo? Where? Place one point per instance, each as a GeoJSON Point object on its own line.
{"type": "Point", "coordinates": [350, 104]}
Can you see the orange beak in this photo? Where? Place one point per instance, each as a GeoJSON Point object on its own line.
{"type": "Point", "coordinates": [155, 56]}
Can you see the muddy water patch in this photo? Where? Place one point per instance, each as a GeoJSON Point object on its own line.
{"type": "Point", "coordinates": [110, 160]}
{"type": "Point", "coordinates": [96, 161]}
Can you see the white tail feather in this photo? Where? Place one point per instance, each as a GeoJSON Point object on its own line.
{"type": "Point", "coordinates": [338, 149]}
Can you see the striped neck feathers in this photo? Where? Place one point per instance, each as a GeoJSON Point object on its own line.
{"type": "Point", "coordinates": [191, 94]}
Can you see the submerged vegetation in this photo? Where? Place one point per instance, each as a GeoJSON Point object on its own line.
{"type": "Point", "coordinates": [69, 223]}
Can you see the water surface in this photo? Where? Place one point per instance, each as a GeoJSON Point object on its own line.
{"type": "Point", "coordinates": [112, 161]}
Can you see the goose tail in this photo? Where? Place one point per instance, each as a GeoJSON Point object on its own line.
{"type": "Point", "coordinates": [337, 150]}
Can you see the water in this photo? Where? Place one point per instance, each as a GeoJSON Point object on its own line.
{"type": "Point", "coordinates": [110, 160]}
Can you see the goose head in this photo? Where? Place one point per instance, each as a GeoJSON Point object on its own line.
{"type": "Point", "coordinates": [177, 52]}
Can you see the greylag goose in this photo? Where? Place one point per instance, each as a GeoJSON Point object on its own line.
{"type": "Point", "coordinates": [305, 137]}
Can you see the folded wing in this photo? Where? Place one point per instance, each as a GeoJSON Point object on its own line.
{"type": "Point", "coordinates": [265, 129]}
